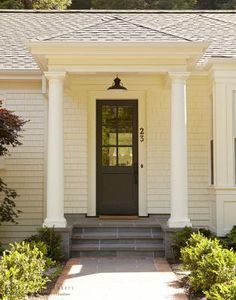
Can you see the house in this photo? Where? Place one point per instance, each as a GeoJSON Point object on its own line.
{"type": "Point", "coordinates": [164, 146]}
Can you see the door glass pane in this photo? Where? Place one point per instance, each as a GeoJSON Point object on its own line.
{"type": "Point", "coordinates": [125, 113]}
{"type": "Point", "coordinates": [125, 135]}
{"type": "Point", "coordinates": [125, 138]}
{"type": "Point", "coordinates": [108, 135]}
{"type": "Point", "coordinates": [125, 156]}
{"type": "Point", "coordinates": [109, 156]}
{"type": "Point", "coordinates": [109, 114]}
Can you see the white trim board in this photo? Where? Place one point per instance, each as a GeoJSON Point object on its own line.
{"type": "Point", "coordinates": [129, 95]}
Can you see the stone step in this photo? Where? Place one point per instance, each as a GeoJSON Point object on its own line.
{"type": "Point", "coordinates": [117, 245]}
{"type": "Point", "coordinates": [117, 235]}
{"type": "Point", "coordinates": [117, 229]}
{"type": "Point", "coordinates": [118, 242]}
{"type": "Point", "coordinates": [117, 253]}
{"type": "Point", "coordinates": [117, 239]}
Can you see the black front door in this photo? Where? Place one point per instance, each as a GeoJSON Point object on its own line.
{"type": "Point", "coordinates": [117, 157]}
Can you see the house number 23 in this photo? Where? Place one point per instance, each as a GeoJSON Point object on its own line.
{"type": "Point", "coordinates": [141, 134]}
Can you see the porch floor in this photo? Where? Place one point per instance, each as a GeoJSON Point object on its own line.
{"type": "Point", "coordinates": [83, 221]}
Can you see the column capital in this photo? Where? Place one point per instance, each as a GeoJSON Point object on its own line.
{"type": "Point", "coordinates": [178, 75]}
{"type": "Point", "coordinates": [55, 75]}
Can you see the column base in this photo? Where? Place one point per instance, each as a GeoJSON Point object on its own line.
{"type": "Point", "coordinates": [181, 223]}
{"type": "Point", "coordinates": [57, 223]}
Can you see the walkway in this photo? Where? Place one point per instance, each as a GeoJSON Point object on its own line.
{"type": "Point", "coordinates": [119, 278]}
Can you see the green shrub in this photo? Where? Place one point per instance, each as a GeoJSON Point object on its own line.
{"type": "Point", "coordinates": [222, 291]}
{"type": "Point", "coordinates": [21, 271]}
{"type": "Point", "coordinates": [52, 240]}
{"type": "Point", "coordinates": [181, 238]}
{"type": "Point", "coordinates": [229, 241]}
{"type": "Point", "coordinates": [208, 262]}
{"type": "Point", "coordinates": [1, 249]}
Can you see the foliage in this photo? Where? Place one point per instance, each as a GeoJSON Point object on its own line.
{"type": "Point", "coordinates": [208, 262]}
{"type": "Point", "coordinates": [51, 4]}
{"type": "Point", "coordinates": [181, 237]}
{"type": "Point", "coordinates": [51, 239]}
{"type": "Point", "coordinates": [1, 249]}
{"type": "Point", "coordinates": [11, 4]}
{"type": "Point", "coordinates": [80, 4]}
{"type": "Point", "coordinates": [35, 4]}
{"type": "Point", "coordinates": [21, 271]}
{"type": "Point", "coordinates": [119, 4]}
{"type": "Point", "coordinates": [10, 126]}
{"type": "Point", "coordinates": [222, 291]}
{"type": "Point", "coordinates": [8, 211]}
{"type": "Point", "coordinates": [229, 241]}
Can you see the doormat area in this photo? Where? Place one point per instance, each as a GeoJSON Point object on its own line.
{"type": "Point", "coordinates": [118, 217]}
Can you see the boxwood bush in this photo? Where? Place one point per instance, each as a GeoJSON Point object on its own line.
{"type": "Point", "coordinates": [51, 239]}
{"type": "Point", "coordinates": [229, 241]}
{"type": "Point", "coordinates": [181, 237]}
{"type": "Point", "coordinates": [22, 270]}
{"type": "Point", "coordinates": [221, 291]}
{"type": "Point", "coordinates": [210, 264]}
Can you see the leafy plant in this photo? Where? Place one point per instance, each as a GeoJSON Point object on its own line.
{"type": "Point", "coordinates": [208, 262]}
{"type": "Point", "coordinates": [8, 211]}
{"type": "Point", "coordinates": [181, 237]}
{"type": "Point", "coordinates": [51, 239]}
{"type": "Point", "coordinates": [222, 291]}
{"type": "Point", "coordinates": [10, 127]}
{"type": "Point", "coordinates": [21, 271]}
{"type": "Point", "coordinates": [229, 241]}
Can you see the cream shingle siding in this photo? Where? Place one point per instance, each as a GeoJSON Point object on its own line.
{"type": "Point", "coordinates": [158, 150]}
{"type": "Point", "coordinates": [24, 168]}
{"type": "Point", "coordinates": [75, 134]}
{"type": "Point", "coordinates": [199, 114]}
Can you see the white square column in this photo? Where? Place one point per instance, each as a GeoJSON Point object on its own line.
{"type": "Point", "coordinates": [179, 178]}
{"type": "Point", "coordinates": [55, 157]}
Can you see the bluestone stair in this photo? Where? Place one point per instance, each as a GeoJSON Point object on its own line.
{"type": "Point", "coordinates": [117, 240]}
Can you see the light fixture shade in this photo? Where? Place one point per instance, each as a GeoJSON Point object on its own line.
{"type": "Point", "coordinates": [117, 85]}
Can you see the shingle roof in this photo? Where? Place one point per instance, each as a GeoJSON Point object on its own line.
{"type": "Point", "coordinates": [16, 27]}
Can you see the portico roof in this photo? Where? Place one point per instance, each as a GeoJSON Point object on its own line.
{"type": "Point", "coordinates": [217, 28]}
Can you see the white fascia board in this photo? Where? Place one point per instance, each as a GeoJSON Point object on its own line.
{"type": "Point", "coordinates": [62, 47]}
{"type": "Point", "coordinates": [20, 75]}
{"type": "Point", "coordinates": [222, 69]}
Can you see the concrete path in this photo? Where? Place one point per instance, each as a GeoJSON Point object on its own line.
{"type": "Point", "coordinates": [119, 278]}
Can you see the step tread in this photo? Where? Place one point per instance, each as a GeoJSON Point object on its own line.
{"type": "Point", "coordinates": [116, 247]}
{"type": "Point", "coordinates": [119, 235]}
{"type": "Point", "coordinates": [117, 225]}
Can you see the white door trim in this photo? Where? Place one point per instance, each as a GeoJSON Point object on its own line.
{"type": "Point", "coordinates": [98, 95]}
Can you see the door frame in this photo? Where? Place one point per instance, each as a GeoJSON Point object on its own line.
{"type": "Point", "coordinates": [118, 169]}
{"type": "Point", "coordinates": [93, 96]}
